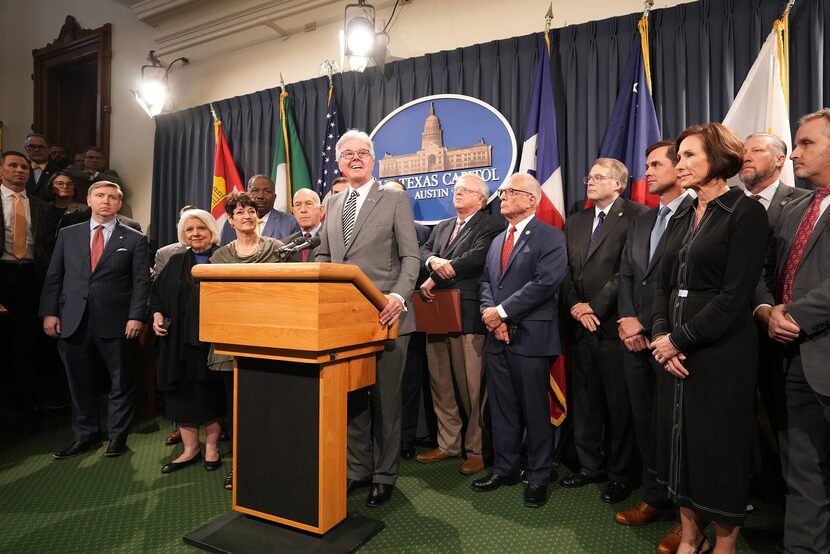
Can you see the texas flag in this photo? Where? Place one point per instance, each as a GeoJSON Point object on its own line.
{"type": "Point", "coordinates": [540, 158]}
{"type": "Point", "coordinates": [633, 127]}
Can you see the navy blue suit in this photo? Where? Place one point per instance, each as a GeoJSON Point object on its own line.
{"type": "Point", "coordinates": [518, 373]}
{"type": "Point", "coordinates": [94, 307]}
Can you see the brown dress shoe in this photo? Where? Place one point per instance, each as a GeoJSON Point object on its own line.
{"type": "Point", "coordinates": [643, 514]}
{"type": "Point", "coordinates": [670, 542]}
{"type": "Point", "coordinates": [473, 464]}
{"type": "Point", "coordinates": [175, 437]}
{"type": "Point", "coordinates": [435, 455]}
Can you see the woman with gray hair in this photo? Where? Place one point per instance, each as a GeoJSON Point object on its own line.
{"type": "Point", "coordinates": [194, 395]}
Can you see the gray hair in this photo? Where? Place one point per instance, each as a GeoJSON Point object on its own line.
{"type": "Point", "coordinates": [778, 146]}
{"type": "Point", "coordinates": [308, 192]}
{"type": "Point", "coordinates": [478, 184]}
{"type": "Point", "coordinates": [825, 113]}
{"type": "Point", "coordinates": [101, 184]}
{"type": "Point", "coordinates": [205, 218]}
{"type": "Point", "coordinates": [354, 134]}
{"type": "Point", "coordinates": [617, 169]}
{"type": "Point", "coordinates": [530, 180]}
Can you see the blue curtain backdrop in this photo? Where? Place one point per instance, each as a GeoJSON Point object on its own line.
{"type": "Point", "coordinates": [700, 54]}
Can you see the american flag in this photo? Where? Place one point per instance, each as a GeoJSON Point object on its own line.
{"type": "Point", "coordinates": [328, 159]}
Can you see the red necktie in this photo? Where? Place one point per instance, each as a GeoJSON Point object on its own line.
{"type": "Point", "coordinates": [304, 254]}
{"type": "Point", "coordinates": [508, 247]}
{"type": "Point", "coordinates": [97, 246]}
{"type": "Point", "coordinates": [808, 223]}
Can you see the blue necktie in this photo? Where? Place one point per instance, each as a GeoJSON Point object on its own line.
{"type": "Point", "coordinates": [657, 231]}
{"type": "Point", "coordinates": [595, 234]}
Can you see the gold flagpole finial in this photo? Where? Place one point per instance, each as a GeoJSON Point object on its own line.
{"type": "Point", "coordinates": [549, 18]}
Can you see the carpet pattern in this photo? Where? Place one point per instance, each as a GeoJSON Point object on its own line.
{"type": "Point", "coordinates": [96, 504]}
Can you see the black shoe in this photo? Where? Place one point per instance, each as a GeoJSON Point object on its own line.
{"type": "Point", "coordinates": [578, 479]}
{"type": "Point", "coordinates": [491, 482]}
{"type": "Point", "coordinates": [116, 448]}
{"type": "Point", "coordinates": [407, 451]}
{"type": "Point", "coordinates": [536, 495]}
{"type": "Point", "coordinates": [352, 485]}
{"type": "Point", "coordinates": [77, 447]}
{"type": "Point", "coordinates": [615, 492]}
{"type": "Point", "coordinates": [214, 465]}
{"type": "Point", "coordinates": [380, 494]}
{"type": "Point", "coordinates": [170, 467]}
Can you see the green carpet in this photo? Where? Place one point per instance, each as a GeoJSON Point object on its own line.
{"type": "Point", "coordinates": [96, 504]}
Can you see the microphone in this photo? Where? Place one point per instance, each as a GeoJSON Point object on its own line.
{"type": "Point", "coordinates": [313, 242]}
{"type": "Point", "coordinates": [286, 248]}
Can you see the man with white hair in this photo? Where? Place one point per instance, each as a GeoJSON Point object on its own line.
{"type": "Point", "coordinates": [372, 227]}
{"type": "Point", "coordinates": [308, 212]}
{"type": "Point", "coordinates": [520, 284]}
{"type": "Point", "coordinates": [454, 255]}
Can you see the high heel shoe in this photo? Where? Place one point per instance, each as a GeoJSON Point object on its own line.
{"type": "Point", "coordinates": [170, 467]}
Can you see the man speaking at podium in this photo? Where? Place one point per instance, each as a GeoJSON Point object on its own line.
{"type": "Point", "coordinates": [371, 227]}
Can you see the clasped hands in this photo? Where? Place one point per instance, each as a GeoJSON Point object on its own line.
{"type": "Point", "coordinates": [584, 314]}
{"type": "Point", "coordinates": [779, 323]}
{"type": "Point", "coordinates": [442, 267]}
{"type": "Point", "coordinates": [632, 335]}
{"type": "Point", "coordinates": [495, 324]}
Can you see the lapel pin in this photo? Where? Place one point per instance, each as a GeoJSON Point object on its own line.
{"type": "Point", "coordinates": [120, 238]}
{"type": "Point", "coordinates": [620, 214]}
{"type": "Point", "coordinates": [783, 203]}
{"type": "Point", "coordinates": [527, 232]}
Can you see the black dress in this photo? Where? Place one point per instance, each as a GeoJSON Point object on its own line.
{"type": "Point", "coordinates": [193, 393]}
{"type": "Point", "coordinates": [703, 423]}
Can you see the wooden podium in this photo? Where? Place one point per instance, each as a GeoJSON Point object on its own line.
{"type": "Point", "coordinates": [302, 335]}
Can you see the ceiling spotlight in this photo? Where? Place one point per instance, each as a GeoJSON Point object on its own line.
{"type": "Point", "coordinates": [360, 43]}
{"type": "Point", "coordinates": [154, 92]}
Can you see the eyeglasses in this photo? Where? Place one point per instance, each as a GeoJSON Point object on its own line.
{"type": "Point", "coordinates": [598, 178]}
{"type": "Point", "coordinates": [462, 190]}
{"type": "Point", "coordinates": [63, 184]}
{"type": "Point", "coordinates": [36, 146]}
{"type": "Point", "coordinates": [512, 192]}
{"type": "Point", "coordinates": [349, 154]}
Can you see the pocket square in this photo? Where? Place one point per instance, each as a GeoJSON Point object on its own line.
{"type": "Point", "coordinates": [121, 250]}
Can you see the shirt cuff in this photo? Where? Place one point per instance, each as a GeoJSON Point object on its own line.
{"type": "Point", "coordinates": [399, 297]}
{"type": "Point", "coordinates": [428, 261]}
{"type": "Point", "coordinates": [758, 307]}
{"type": "Point", "coordinates": [501, 312]}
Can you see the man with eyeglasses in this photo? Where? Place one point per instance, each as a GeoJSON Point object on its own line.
{"type": "Point", "coordinates": [454, 256]}
{"type": "Point", "coordinates": [520, 284]}
{"type": "Point", "coordinates": [273, 223]}
{"type": "Point", "coordinates": [41, 167]}
{"type": "Point", "coordinates": [603, 431]}
{"type": "Point", "coordinates": [371, 226]}
{"type": "Point", "coordinates": [92, 170]}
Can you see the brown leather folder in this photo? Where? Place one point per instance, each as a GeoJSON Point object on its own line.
{"type": "Point", "coordinates": [440, 316]}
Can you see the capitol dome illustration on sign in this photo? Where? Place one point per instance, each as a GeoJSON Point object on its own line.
{"type": "Point", "coordinates": [428, 143]}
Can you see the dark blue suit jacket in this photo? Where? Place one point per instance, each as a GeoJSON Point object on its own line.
{"type": "Point", "coordinates": [528, 290]}
{"type": "Point", "coordinates": [116, 291]}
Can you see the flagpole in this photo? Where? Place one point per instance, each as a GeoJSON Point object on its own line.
{"type": "Point", "coordinates": [642, 25]}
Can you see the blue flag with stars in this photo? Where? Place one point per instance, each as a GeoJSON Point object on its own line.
{"type": "Point", "coordinates": [328, 159]}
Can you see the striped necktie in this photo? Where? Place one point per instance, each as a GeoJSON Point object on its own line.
{"type": "Point", "coordinates": [349, 212]}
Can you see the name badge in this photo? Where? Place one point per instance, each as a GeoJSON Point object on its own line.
{"type": "Point", "coordinates": [682, 293]}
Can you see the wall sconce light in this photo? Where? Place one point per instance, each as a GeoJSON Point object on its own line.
{"type": "Point", "coordinates": [153, 93]}
{"type": "Point", "coordinates": [360, 44]}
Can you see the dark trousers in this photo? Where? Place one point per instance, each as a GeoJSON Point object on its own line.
{"type": "Point", "coordinates": [805, 457]}
{"type": "Point", "coordinates": [603, 433]}
{"type": "Point", "coordinates": [374, 426]}
{"type": "Point", "coordinates": [82, 354]}
{"type": "Point", "coordinates": [20, 330]}
{"type": "Point", "coordinates": [518, 401]}
{"type": "Point", "coordinates": [640, 375]}
{"type": "Point", "coordinates": [416, 391]}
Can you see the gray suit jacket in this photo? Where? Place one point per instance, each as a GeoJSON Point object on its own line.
{"type": "Point", "coordinates": [116, 291]}
{"type": "Point", "coordinates": [164, 254]}
{"type": "Point", "coordinates": [383, 243]}
{"type": "Point", "coordinates": [783, 196]}
{"type": "Point", "coordinates": [810, 306]}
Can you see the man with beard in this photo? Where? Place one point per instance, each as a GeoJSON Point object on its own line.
{"type": "Point", "coordinates": [764, 156]}
{"type": "Point", "coordinates": [272, 222]}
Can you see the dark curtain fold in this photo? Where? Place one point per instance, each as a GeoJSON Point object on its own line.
{"type": "Point", "coordinates": [700, 55]}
